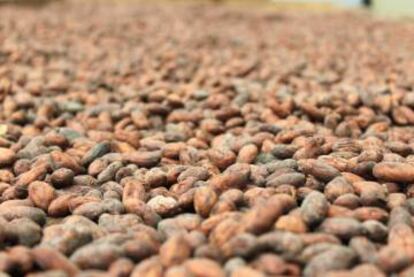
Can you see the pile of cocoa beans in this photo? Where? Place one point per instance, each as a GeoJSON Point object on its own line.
{"type": "Point", "coordinates": [200, 140]}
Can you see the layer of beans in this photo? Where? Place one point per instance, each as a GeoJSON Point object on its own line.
{"type": "Point", "coordinates": [198, 140]}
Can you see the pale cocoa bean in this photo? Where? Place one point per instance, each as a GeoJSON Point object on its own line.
{"type": "Point", "coordinates": [394, 172]}
{"type": "Point", "coordinates": [204, 200]}
{"type": "Point", "coordinates": [204, 267]}
{"type": "Point", "coordinates": [143, 159]}
{"type": "Point", "coordinates": [262, 216]}
{"type": "Point", "coordinates": [41, 194]}
{"type": "Point", "coordinates": [49, 259]}
{"type": "Point", "coordinates": [99, 256]}
{"type": "Point", "coordinates": [174, 251]}
{"type": "Point", "coordinates": [7, 156]}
